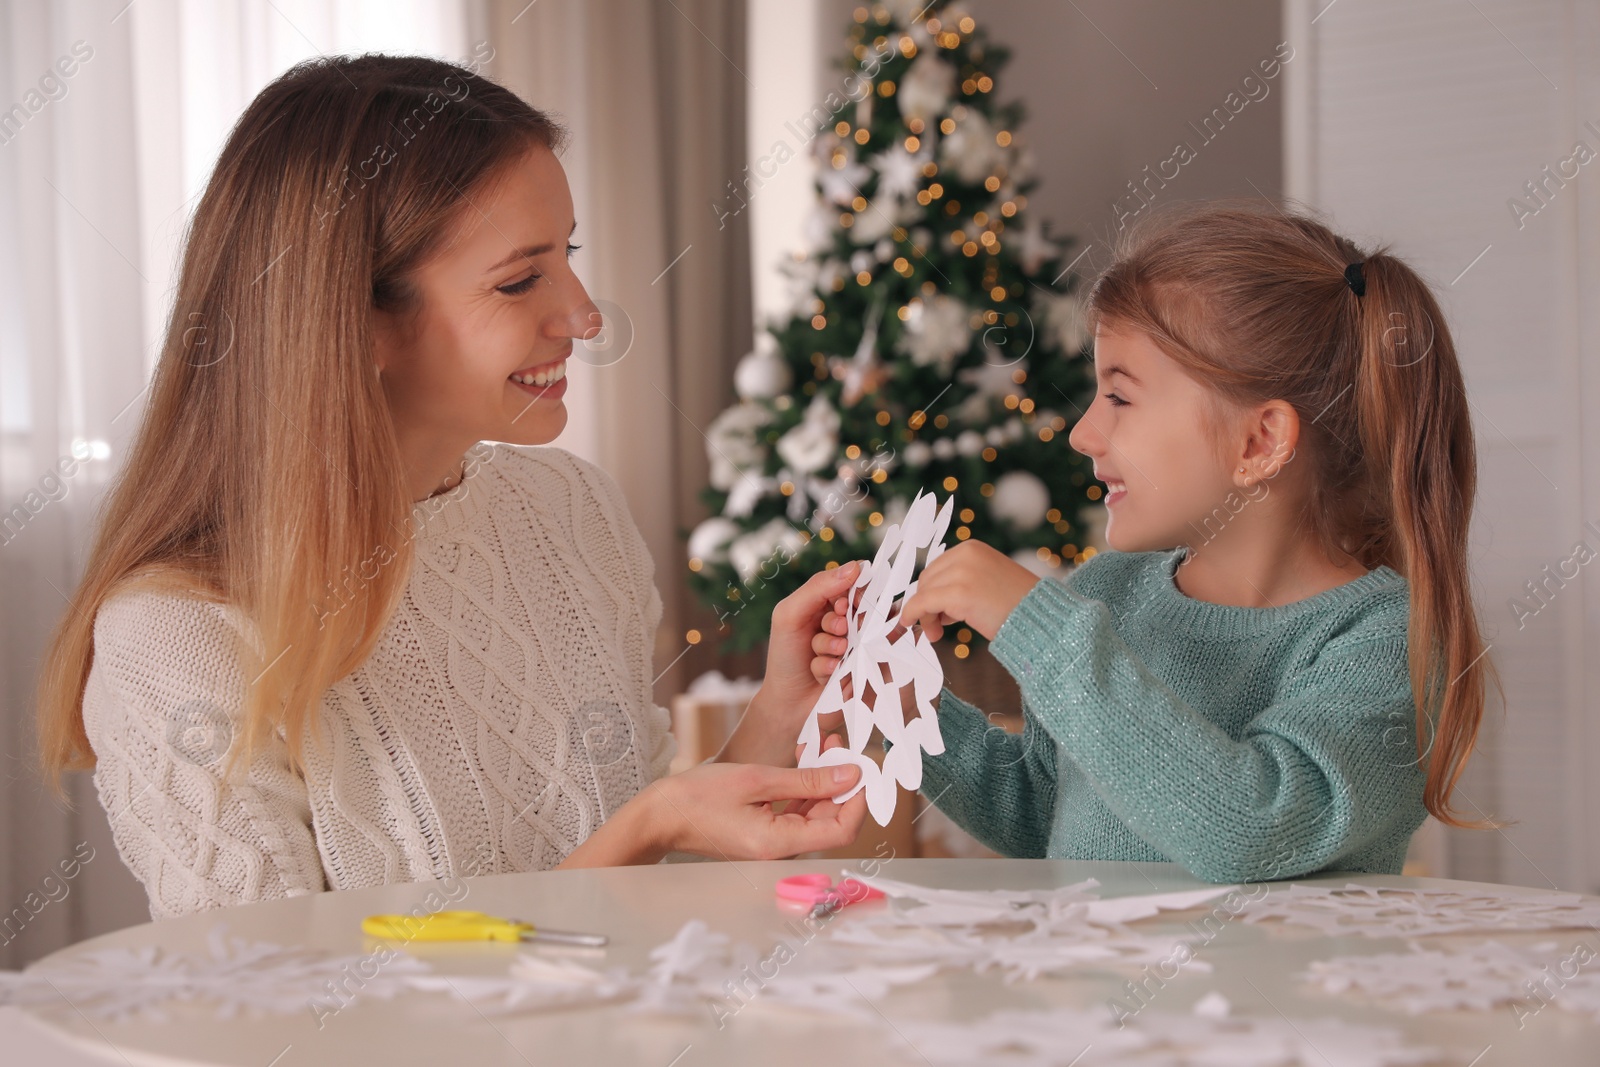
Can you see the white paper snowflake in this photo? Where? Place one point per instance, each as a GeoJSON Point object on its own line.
{"type": "Point", "coordinates": [881, 658]}
{"type": "Point", "coordinates": [1072, 1037]}
{"type": "Point", "coordinates": [237, 977]}
{"type": "Point", "coordinates": [1022, 934]}
{"type": "Point", "coordinates": [1384, 911]}
{"type": "Point", "coordinates": [1482, 977]}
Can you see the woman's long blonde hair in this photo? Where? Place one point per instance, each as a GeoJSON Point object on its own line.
{"type": "Point", "coordinates": [266, 474]}
{"type": "Point", "coordinates": [1258, 306]}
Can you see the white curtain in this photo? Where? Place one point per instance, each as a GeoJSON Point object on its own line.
{"type": "Point", "coordinates": [111, 115]}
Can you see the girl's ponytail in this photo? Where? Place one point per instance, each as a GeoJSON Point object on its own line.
{"type": "Point", "coordinates": [1421, 466]}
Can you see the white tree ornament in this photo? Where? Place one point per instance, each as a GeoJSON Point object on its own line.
{"type": "Point", "coordinates": [881, 658]}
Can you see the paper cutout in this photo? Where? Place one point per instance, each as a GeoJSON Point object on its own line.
{"type": "Point", "coordinates": [879, 662]}
{"type": "Point", "coordinates": [1212, 1006]}
{"type": "Point", "coordinates": [1042, 907]}
{"type": "Point", "coordinates": [239, 977]}
{"type": "Point", "coordinates": [696, 972]}
{"type": "Point", "coordinates": [841, 964]}
{"type": "Point", "coordinates": [836, 966]}
{"type": "Point", "coordinates": [535, 982]}
{"type": "Point", "coordinates": [1479, 977]}
{"type": "Point", "coordinates": [1071, 1037]}
{"type": "Point", "coordinates": [694, 950]}
{"type": "Point", "coordinates": [1384, 911]}
{"type": "Point", "coordinates": [1023, 934]}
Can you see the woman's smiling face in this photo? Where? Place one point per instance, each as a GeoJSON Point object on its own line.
{"type": "Point", "coordinates": [485, 355]}
{"type": "Point", "coordinates": [1150, 434]}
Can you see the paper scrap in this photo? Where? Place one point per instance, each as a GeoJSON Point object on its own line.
{"type": "Point", "coordinates": [1022, 934]}
{"type": "Point", "coordinates": [881, 658]}
{"type": "Point", "coordinates": [1485, 976]}
{"type": "Point", "coordinates": [1076, 902]}
{"type": "Point", "coordinates": [1077, 1037]}
{"type": "Point", "coordinates": [1384, 911]}
{"type": "Point", "coordinates": [238, 977]}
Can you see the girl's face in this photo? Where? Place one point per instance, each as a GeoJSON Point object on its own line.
{"type": "Point", "coordinates": [486, 356]}
{"type": "Point", "coordinates": [1152, 446]}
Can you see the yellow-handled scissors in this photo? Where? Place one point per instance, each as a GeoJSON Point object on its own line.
{"type": "Point", "coordinates": [469, 926]}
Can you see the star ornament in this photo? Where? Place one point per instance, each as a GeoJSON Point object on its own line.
{"type": "Point", "coordinates": [900, 172]}
{"type": "Point", "coordinates": [841, 185]}
{"type": "Point", "coordinates": [1037, 247]}
{"type": "Point", "coordinates": [882, 657]}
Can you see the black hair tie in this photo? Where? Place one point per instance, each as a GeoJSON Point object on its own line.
{"type": "Point", "coordinates": [1355, 279]}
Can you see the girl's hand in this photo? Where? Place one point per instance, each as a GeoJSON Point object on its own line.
{"type": "Point", "coordinates": [792, 685]}
{"type": "Point", "coordinates": [971, 583]}
{"type": "Point", "coordinates": [726, 811]}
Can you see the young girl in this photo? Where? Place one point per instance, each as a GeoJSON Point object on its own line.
{"type": "Point", "coordinates": [1279, 669]}
{"type": "Point", "coordinates": [428, 657]}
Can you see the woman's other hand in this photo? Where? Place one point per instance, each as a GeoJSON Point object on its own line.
{"type": "Point", "coordinates": [729, 811]}
{"type": "Point", "coordinates": [794, 678]}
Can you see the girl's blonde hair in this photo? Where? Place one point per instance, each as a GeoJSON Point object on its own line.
{"type": "Point", "coordinates": [266, 473]}
{"type": "Point", "coordinates": [1258, 306]}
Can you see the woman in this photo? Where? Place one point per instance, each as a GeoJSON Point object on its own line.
{"type": "Point", "coordinates": [325, 639]}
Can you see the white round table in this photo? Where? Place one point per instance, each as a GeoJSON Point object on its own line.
{"type": "Point", "coordinates": [641, 907]}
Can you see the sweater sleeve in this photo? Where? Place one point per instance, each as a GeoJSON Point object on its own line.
{"type": "Point", "coordinates": [998, 786]}
{"type": "Point", "coordinates": [1327, 768]}
{"type": "Point", "coordinates": [161, 709]}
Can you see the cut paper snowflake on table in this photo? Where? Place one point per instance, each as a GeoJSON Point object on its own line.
{"type": "Point", "coordinates": [698, 971]}
{"type": "Point", "coordinates": [1486, 976]}
{"type": "Point", "coordinates": [881, 658]}
{"type": "Point", "coordinates": [1211, 1036]}
{"type": "Point", "coordinates": [238, 977]}
{"type": "Point", "coordinates": [535, 983]}
{"type": "Point", "coordinates": [1383, 911]}
{"type": "Point", "coordinates": [1022, 934]}
{"type": "Point", "coordinates": [1044, 909]}
{"type": "Point", "coordinates": [839, 963]}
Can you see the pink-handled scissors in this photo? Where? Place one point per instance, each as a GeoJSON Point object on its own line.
{"type": "Point", "coordinates": [818, 891]}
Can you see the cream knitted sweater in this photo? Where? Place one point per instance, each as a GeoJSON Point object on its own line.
{"type": "Point", "coordinates": [504, 714]}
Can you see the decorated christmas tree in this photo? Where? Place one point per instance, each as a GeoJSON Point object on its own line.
{"type": "Point", "coordinates": [936, 341]}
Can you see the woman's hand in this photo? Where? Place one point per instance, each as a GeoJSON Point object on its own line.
{"type": "Point", "coordinates": [729, 811]}
{"type": "Point", "coordinates": [726, 811]}
{"type": "Point", "coordinates": [828, 644]}
{"type": "Point", "coordinates": [971, 583]}
{"type": "Point", "coordinates": [767, 732]}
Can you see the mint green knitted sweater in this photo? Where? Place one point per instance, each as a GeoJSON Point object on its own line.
{"type": "Point", "coordinates": [1244, 743]}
